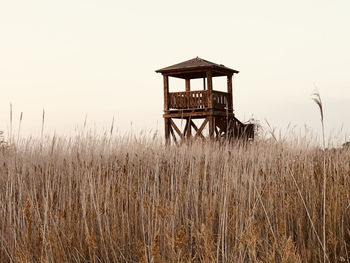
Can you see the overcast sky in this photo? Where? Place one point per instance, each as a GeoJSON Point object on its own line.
{"type": "Point", "coordinates": [92, 58]}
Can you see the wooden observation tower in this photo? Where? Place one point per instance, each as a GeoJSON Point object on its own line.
{"type": "Point", "coordinates": [213, 108]}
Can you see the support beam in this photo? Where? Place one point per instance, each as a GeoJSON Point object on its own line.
{"type": "Point", "coordinates": [204, 85]}
{"type": "Point", "coordinates": [185, 128]}
{"type": "Point", "coordinates": [173, 135]}
{"type": "Point", "coordinates": [196, 128]}
{"type": "Point", "coordinates": [176, 129]}
{"type": "Point", "coordinates": [181, 114]}
{"type": "Point", "coordinates": [199, 131]}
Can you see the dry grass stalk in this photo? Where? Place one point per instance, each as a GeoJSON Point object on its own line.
{"type": "Point", "coordinates": [318, 101]}
{"type": "Point", "coordinates": [133, 199]}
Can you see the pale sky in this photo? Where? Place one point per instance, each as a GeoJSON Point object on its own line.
{"type": "Point", "coordinates": [98, 59]}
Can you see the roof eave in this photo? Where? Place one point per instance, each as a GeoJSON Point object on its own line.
{"type": "Point", "coordinates": [183, 70]}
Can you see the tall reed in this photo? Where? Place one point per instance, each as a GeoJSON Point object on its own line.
{"type": "Point", "coordinates": [318, 101]}
{"type": "Point", "coordinates": [93, 198]}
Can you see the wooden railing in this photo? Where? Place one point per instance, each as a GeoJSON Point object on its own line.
{"type": "Point", "coordinates": [189, 99]}
{"type": "Point", "coordinates": [220, 100]}
{"type": "Point", "coordinates": [199, 100]}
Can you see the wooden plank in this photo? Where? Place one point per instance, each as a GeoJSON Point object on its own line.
{"type": "Point", "coordinates": [209, 80]}
{"type": "Point", "coordinates": [194, 125]}
{"type": "Point", "coordinates": [166, 92]}
{"type": "Point", "coordinates": [210, 88]}
{"type": "Point", "coordinates": [188, 128]}
{"type": "Point", "coordinates": [220, 99]}
{"type": "Point", "coordinates": [211, 126]}
{"type": "Point", "coordinates": [188, 84]}
{"type": "Point", "coordinates": [210, 100]}
{"type": "Point", "coordinates": [195, 99]}
{"type": "Point", "coordinates": [205, 99]}
{"type": "Point", "coordinates": [196, 129]}
{"type": "Point", "coordinates": [170, 98]}
{"type": "Point", "coordinates": [220, 92]}
{"type": "Point", "coordinates": [199, 131]}
{"type": "Point", "coordinates": [229, 91]}
{"type": "Point", "coordinates": [172, 101]}
{"type": "Point", "coordinates": [185, 128]}
{"type": "Point", "coordinates": [196, 113]}
{"type": "Point", "coordinates": [222, 72]}
{"type": "Point", "coordinates": [176, 129]}
{"type": "Point", "coordinates": [182, 72]}
{"type": "Point", "coordinates": [167, 130]}
{"type": "Point", "coordinates": [182, 114]}
{"type": "Point", "coordinates": [173, 135]}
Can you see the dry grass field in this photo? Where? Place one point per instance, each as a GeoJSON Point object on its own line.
{"type": "Point", "coordinates": [104, 199]}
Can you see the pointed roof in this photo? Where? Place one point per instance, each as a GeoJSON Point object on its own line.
{"type": "Point", "coordinates": [196, 68]}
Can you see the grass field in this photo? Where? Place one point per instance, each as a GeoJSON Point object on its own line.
{"type": "Point", "coordinates": [103, 199]}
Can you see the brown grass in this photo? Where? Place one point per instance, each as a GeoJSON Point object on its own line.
{"type": "Point", "coordinates": [102, 199]}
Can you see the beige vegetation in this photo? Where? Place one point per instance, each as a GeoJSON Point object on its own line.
{"type": "Point", "coordinates": [105, 199]}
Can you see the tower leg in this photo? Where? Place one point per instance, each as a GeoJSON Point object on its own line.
{"type": "Point", "coordinates": [167, 130]}
{"type": "Point", "coordinates": [188, 128]}
{"type": "Point", "coordinates": [211, 126]}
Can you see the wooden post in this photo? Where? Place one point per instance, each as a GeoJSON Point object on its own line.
{"type": "Point", "coordinates": [166, 92]}
{"type": "Point", "coordinates": [188, 128]}
{"type": "Point", "coordinates": [211, 126]}
{"type": "Point", "coordinates": [166, 108]}
{"type": "Point", "coordinates": [204, 86]}
{"type": "Point", "coordinates": [210, 88]}
{"type": "Point", "coordinates": [167, 130]}
{"type": "Point", "coordinates": [209, 80]}
{"type": "Point", "coordinates": [229, 90]}
{"type": "Point", "coordinates": [211, 117]}
{"type": "Point", "coordinates": [188, 85]}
